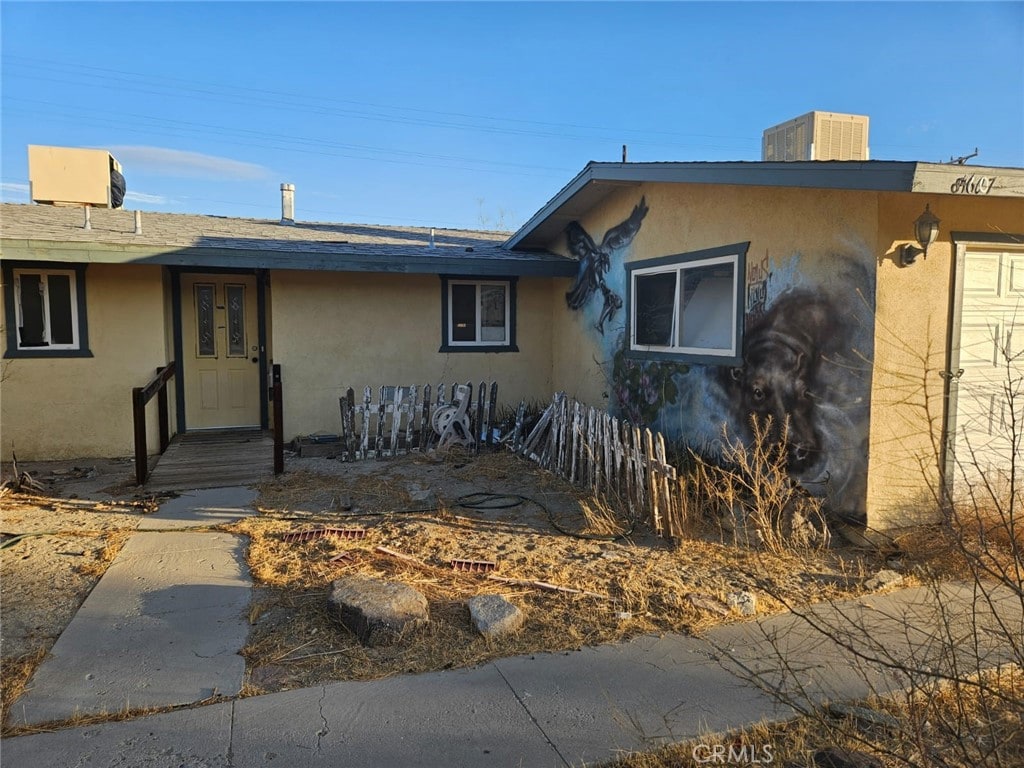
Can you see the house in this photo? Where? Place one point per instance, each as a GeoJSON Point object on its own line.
{"type": "Point", "coordinates": [686, 296]}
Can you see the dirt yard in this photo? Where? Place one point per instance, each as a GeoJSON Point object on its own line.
{"type": "Point", "coordinates": [581, 572]}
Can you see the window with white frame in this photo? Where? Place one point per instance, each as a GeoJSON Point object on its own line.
{"type": "Point", "coordinates": [478, 315]}
{"type": "Point", "coordinates": [688, 305]}
{"type": "Point", "coordinates": [46, 309]}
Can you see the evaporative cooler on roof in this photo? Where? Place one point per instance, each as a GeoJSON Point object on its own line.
{"type": "Point", "coordinates": [817, 136]}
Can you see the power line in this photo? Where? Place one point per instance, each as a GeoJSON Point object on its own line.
{"type": "Point", "coordinates": [170, 127]}
{"type": "Point", "coordinates": [299, 102]}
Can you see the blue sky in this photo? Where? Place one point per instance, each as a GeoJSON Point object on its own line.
{"type": "Point", "coordinates": [475, 114]}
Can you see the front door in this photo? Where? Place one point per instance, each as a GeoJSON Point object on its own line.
{"type": "Point", "coordinates": [220, 350]}
{"type": "Point", "coordinates": [989, 404]}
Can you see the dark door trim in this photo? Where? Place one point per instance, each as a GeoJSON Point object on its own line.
{"type": "Point", "coordinates": [262, 278]}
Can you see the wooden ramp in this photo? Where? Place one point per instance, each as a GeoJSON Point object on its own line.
{"type": "Point", "coordinates": [214, 459]}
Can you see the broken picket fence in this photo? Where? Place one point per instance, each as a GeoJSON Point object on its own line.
{"type": "Point", "coordinates": [401, 419]}
{"type": "Point", "coordinates": [611, 458]}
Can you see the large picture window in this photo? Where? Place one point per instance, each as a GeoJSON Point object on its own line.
{"type": "Point", "coordinates": [688, 305]}
{"type": "Point", "coordinates": [45, 311]}
{"type": "Point", "coordinates": [478, 315]}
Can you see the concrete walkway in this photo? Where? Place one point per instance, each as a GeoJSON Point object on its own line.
{"type": "Point", "coordinates": [564, 709]}
{"type": "Point", "coordinates": [164, 624]}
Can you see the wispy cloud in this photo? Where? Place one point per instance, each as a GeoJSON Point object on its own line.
{"type": "Point", "coordinates": [11, 190]}
{"type": "Point", "coordinates": [177, 162]}
{"type": "Point", "coordinates": [142, 197]}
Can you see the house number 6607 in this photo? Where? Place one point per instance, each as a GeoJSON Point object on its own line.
{"type": "Point", "coordinates": [972, 185]}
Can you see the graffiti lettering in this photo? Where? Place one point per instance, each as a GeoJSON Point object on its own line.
{"type": "Point", "coordinates": [757, 295]}
{"type": "Point", "coordinates": [758, 275]}
{"type": "Point", "coordinates": [973, 185]}
{"type": "Point", "coordinates": [757, 271]}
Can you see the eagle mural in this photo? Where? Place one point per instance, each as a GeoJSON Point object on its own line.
{"type": "Point", "coordinates": [595, 260]}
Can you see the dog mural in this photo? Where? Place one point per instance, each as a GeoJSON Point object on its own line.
{"type": "Point", "coordinates": [780, 375]}
{"type": "Point", "coordinates": [798, 370]}
{"type": "Point", "coordinates": [595, 260]}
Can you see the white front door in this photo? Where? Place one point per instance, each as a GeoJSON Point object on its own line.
{"type": "Point", "coordinates": [220, 347]}
{"type": "Point", "coordinates": [990, 388]}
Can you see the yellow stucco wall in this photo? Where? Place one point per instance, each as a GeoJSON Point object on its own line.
{"type": "Point", "coordinates": [910, 324]}
{"type": "Point", "coordinates": [691, 217]}
{"type": "Point", "coordinates": [912, 328]}
{"type": "Point", "coordinates": [340, 330]}
{"type": "Point", "coordinates": [68, 408]}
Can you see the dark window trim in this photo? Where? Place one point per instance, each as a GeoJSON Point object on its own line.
{"type": "Point", "coordinates": [739, 250]}
{"type": "Point", "coordinates": [447, 346]}
{"type": "Point", "coordinates": [11, 315]}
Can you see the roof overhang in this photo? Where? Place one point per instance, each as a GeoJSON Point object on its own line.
{"type": "Point", "coordinates": [504, 263]}
{"type": "Point", "coordinates": [598, 180]}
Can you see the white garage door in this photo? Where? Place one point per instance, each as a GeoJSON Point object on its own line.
{"type": "Point", "coordinates": [989, 391]}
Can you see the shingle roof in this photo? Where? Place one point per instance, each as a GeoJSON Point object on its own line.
{"type": "Point", "coordinates": [188, 239]}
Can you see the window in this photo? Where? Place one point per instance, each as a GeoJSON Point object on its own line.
{"type": "Point", "coordinates": [478, 315]}
{"type": "Point", "coordinates": [45, 311]}
{"type": "Point", "coordinates": [688, 306]}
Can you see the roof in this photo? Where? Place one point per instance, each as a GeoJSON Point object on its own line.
{"type": "Point", "coordinates": [598, 180]}
{"type": "Point", "coordinates": [56, 233]}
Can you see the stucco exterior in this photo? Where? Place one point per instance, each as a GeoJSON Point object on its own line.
{"type": "Point", "coordinates": [341, 330]}
{"type": "Point", "coordinates": [66, 408]}
{"type": "Point", "coordinates": [880, 408]}
{"type": "Point", "coordinates": [912, 338]}
{"type": "Point", "coordinates": [835, 335]}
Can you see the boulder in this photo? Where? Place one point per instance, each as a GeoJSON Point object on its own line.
{"type": "Point", "coordinates": [494, 616]}
{"type": "Point", "coordinates": [707, 603]}
{"type": "Point", "coordinates": [884, 578]}
{"type": "Point", "coordinates": [378, 612]}
{"type": "Point", "coordinates": [744, 602]}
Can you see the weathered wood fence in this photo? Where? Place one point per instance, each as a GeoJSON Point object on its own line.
{"type": "Point", "coordinates": [400, 421]}
{"type": "Point", "coordinates": [611, 458]}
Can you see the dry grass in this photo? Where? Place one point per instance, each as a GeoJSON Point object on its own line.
{"type": "Point", "coordinates": [97, 565]}
{"type": "Point", "coordinates": [945, 728]}
{"type": "Point", "coordinates": [973, 539]}
{"type": "Point", "coordinates": [644, 582]}
{"type": "Point", "coordinates": [15, 672]}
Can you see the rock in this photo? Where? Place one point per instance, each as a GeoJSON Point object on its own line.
{"type": "Point", "coordinates": [744, 602]}
{"type": "Point", "coordinates": [836, 757]}
{"type": "Point", "coordinates": [494, 616]}
{"type": "Point", "coordinates": [378, 612]}
{"type": "Point", "coordinates": [342, 502]}
{"type": "Point", "coordinates": [424, 497]}
{"type": "Point", "coordinates": [864, 716]}
{"type": "Point", "coordinates": [707, 603]}
{"type": "Point", "coordinates": [884, 578]}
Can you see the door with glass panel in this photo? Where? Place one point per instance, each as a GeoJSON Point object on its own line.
{"type": "Point", "coordinates": [220, 350]}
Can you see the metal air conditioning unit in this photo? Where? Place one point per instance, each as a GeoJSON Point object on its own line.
{"type": "Point", "coordinates": [72, 176]}
{"type": "Point", "coordinates": [817, 136]}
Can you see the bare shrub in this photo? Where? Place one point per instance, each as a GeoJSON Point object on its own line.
{"type": "Point", "coordinates": [752, 497]}
{"type": "Point", "coordinates": [945, 659]}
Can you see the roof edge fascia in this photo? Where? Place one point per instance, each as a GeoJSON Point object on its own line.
{"type": "Point", "coordinates": [854, 175]}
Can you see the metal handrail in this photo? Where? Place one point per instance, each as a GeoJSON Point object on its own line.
{"type": "Point", "coordinates": [276, 397]}
{"type": "Point", "coordinates": [140, 396]}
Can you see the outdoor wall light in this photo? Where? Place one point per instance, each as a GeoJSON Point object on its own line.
{"type": "Point", "coordinates": [926, 228]}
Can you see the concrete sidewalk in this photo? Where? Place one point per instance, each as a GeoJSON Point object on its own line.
{"type": "Point", "coordinates": [563, 709]}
